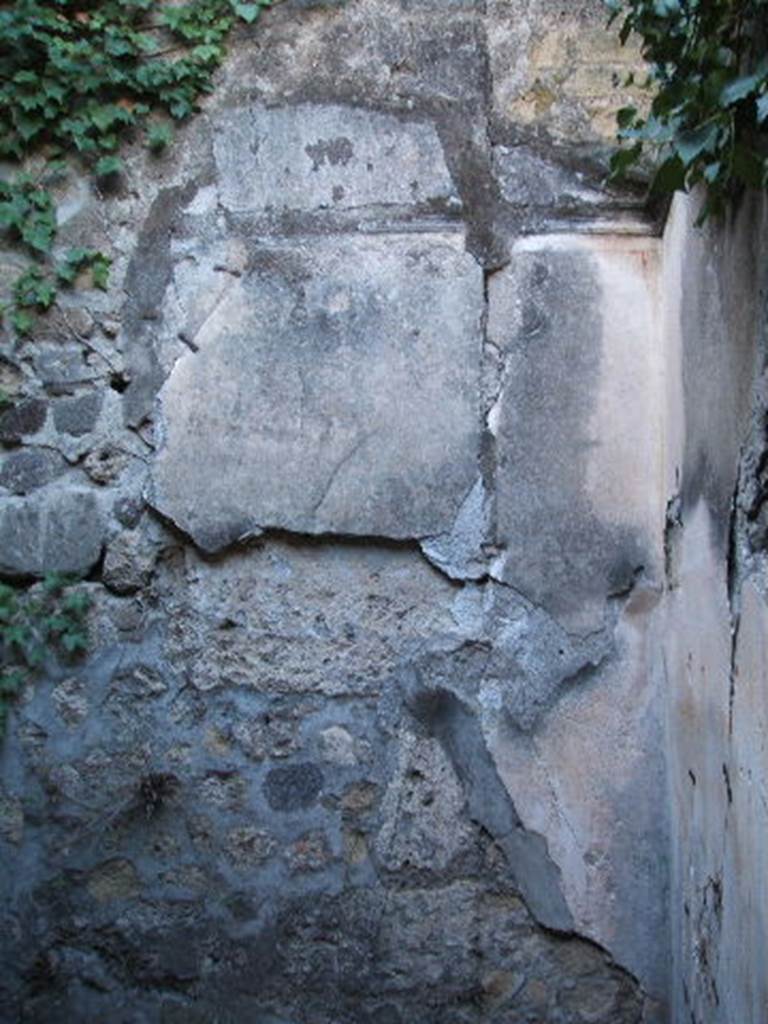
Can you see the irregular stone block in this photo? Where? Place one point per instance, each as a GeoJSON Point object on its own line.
{"type": "Point", "coordinates": [61, 367]}
{"type": "Point", "coordinates": [113, 880]}
{"type": "Point", "coordinates": [337, 745]}
{"type": "Point", "coordinates": [530, 180]}
{"type": "Point", "coordinates": [311, 157]}
{"type": "Point", "coordinates": [77, 416]}
{"type": "Point", "coordinates": [71, 701]}
{"type": "Point", "coordinates": [369, 604]}
{"type": "Point", "coordinates": [310, 852]}
{"type": "Point", "coordinates": [20, 420]}
{"type": "Point", "coordinates": [27, 470]}
{"type": "Point", "coordinates": [11, 818]}
{"type": "Point", "coordinates": [293, 787]}
{"type": "Point", "coordinates": [248, 847]}
{"type": "Point", "coordinates": [105, 464]}
{"type": "Point", "coordinates": [128, 563]}
{"type": "Point", "coordinates": [335, 390]}
{"type": "Point", "coordinates": [128, 510]}
{"type": "Point", "coordinates": [60, 532]}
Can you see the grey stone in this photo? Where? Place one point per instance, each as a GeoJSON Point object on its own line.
{"type": "Point", "coordinates": [128, 511]}
{"type": "Point", "coordinates": [367, 392]}
{"type": "Point", "coordinates": [63, 322]}
{"type": "Point", "coordinates": [128, 562]}
{"type": "Point", "coordinates": [310, 157]}
{"type": "Point", "coordinates": [61, 367]}
{"type": "Point", "coordinates": [528, 179]}
{"type": "Point", "coordinates": [114, 880]}
{"type": "Point", "coordinates": [147, 277]}
{"type": "Point", "coordinates": [337, 745]}
{"type": "Point", "coordinates": [224, 790]}
{"type": "Point", "coordinates": [293, 787]}
{"type": "Point", "coordinates": [105, 464]}
{"type": "Point", "coordinates": [77, 416]}
{"type": "Point", "coordinates": [248, 847]}
{"type": "Point", "coordinates": [30, 469]}
{"type": "Point", "coordinates": [393, 600]}
{"type": "Point", "coordinates": [310, 852]}
{"type": "Point", "coordinates": [459, 553]}
{"type": "Point", "coordinates": [71, 701]}
{"type": "Point", "coordinates": [11, 818]}
{"type": "Point", "coordinates": [423, 824]}
{"type": "Point", "coordinates": [61, 532]}
{"type": "Point", "coordinates": [27, 417]}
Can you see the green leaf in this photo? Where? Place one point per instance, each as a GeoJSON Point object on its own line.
{"type": "Point", "coordinates": [248, 12]}
{"type": "Point", "coordinates": [108, 165]}
{"type": "Point", "coordinates": [670, 176]}
{"type": "Point", "coordinates": [100, 270]}
{"type": "Point", "coordinates": [73, 642]}
{"type": "Point", "coordinates": [748, 166]}
{"type": "Point", "coordinates": [22, 321]}
{"type": "Point", "coordinates": [159, 136]}
{"type": "Point", "coordinates": [691, 143]}
{"type": "Point", "coordinates": [626, 117]}
{"type": "Point", "coordinates": [739, 88]}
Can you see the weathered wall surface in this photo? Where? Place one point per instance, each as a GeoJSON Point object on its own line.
{"type": "Point", "coordinates": [714, 653]}
{"type": "Point", "coordinates": [363, 457]}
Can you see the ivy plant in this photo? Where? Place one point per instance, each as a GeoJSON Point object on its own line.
{"type": "Point", "coordinates": [708, 75]}
{"type": "Point", "coordinates": [78, 79]}
{"type": "Point", "coordinates": [48, 618]}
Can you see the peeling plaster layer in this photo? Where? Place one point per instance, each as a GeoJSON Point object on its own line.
{"type": "Point", "coordinates": [579, 404]}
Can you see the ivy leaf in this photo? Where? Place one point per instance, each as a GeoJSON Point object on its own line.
{"type": "Point", "coordinates": [691, 144]}
{"type": "Point", "coordinates": [72, 642]}
{"type": "Point", "coordinates": [22, 322]}
{"type": "Point", "coordinates": [626, 117]}
{"type": "Point", "coordinates": [670, 176]}
{"type": "Point", "coordinates": [108, 165]}
{"type": "Point", "coordinates": [159, 137]}
{"type": "Point", "coordinates": [100, 271]}
{"type": "Point", "coordinates": [248, 12]}
{"type": "Point", "coordinates": [740, 88]}
{"type": "Point", "coordinates": [748, 166]}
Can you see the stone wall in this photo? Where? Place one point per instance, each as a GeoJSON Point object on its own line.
{"type": "Point", "coordinates": [366, 458]}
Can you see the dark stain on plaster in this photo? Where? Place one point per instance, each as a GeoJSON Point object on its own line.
{"type": "Point", "coordinates": [721, 279]}
{"type": "Point", "coordinates": [449, 719]}
{"type": "Point", "coordinates": [638, 860]}
{"type": "Point", "coordinates": [335, 152]}
{"type": "Point", "coordinates": [560, 552]}
{"type": "Point", "coordinates": [146, 281]}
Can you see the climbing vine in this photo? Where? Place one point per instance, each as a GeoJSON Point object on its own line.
{"type": "Point", "coordinates": [47, 618]}
{"type": "Point", "coordinates": [78, 79]}
{"type": "Point", "coordinates": [708, 75]}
